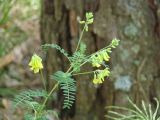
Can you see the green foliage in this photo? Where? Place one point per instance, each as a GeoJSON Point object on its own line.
{"type": "Point", "coordinates": [43, 116]}
{"type": "Point", "coordinates": [65, 79]}
{"type": "Point", "coordinates": [7, 92]}
{"type": "Point", "coordinates": [5, 7]}
{"type": "Point", "coordinates": [68, 86]}
{"type": "Point", "coordinates": [82, 48]}
{"type": "Point", "coordinates": [78, 58]}
{"type": "Point", "coordinates": [28, 116]}
{"type": "Point", "coordinates": [135, 113]}
{"type": "Point", "coordinates": [26, 98]}
{"type": "Point", "coordinates": [47, 46]}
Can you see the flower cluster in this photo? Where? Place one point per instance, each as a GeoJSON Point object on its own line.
{"type": "Point", "coordinates": [89, 20]}
{"type": "Point", "coordinates": [98, 59]}
{"type": "Point", "coordinates": [99, 75]}
{"type": "Point", "coordinates": [101, 56]}
{"type": "Point", "coordinates": [115, 43]}
{"type": "Point", "coordinates": [36, 63]}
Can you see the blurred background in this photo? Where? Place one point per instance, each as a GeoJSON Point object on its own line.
{"type": "Point", "coordinates": [135, 64]}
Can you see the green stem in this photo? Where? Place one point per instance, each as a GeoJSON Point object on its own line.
{"type": "Point", "coordinates": [79, 41]}
{"type": "Point", "coordinates": [69, 69]}
{"type": "Point", "coordinates": [35, 115]}
{"type": "Point", "coordinates": [42, 78]}
{"type": "Point", "coordinates": [80, 38]}
{"type": "Point", "coordinates": [83, 73]}
{"type": "Point", "coordinates": [45, 101]}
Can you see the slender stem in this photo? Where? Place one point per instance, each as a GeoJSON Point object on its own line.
{"type": "Point", "coordinates": [43, 81]}
{"type": "Point", "coordinates": [54, 87]}
{"type": "Point", "coordinates": [80, 38]}
{"type": "Point", "coordinates": [46, 99]}
{"type": "Point", "coordinates": [83, 73]}
{"type": "Point", "coordinates": [69, 69]}
{"type": "Point", "coordinates": [35, 115]}
{"type": "Point", "coordinates": [79, 41]}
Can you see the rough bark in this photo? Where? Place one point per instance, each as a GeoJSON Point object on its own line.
{"type": "Point", "coordinates": [135, 22]}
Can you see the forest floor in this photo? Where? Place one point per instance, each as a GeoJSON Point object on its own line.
{"type": "Point", "coordinates": [19, 39]}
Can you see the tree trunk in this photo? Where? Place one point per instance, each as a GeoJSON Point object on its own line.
{"type": "Point", "coordinates": [134, 64]}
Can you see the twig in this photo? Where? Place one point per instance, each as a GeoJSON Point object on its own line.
{"type": "Point", "coordinates": [140, 68]}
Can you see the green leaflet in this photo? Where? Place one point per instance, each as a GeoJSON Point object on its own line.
{"type": "Point", "coordinates": [47, 46]}
{"type": "Point", "coordinates": [28, 116]}
{"type": "Point", "coordinates": [26, 98]}
{"type": "Point", "coordinates": [76, 61]}
{"type": "Point", "coordinates": [31, 117]}
{"type": "Point", "coordinates": [68, 86]}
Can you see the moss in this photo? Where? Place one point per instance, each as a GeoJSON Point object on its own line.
{"type": "Point", "coordinates": [135, 48]}
{"type": "Point", "coordinates": [131, 30]}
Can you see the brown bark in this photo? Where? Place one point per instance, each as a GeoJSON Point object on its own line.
{"type": "Point", "coordinates": [135, 60]}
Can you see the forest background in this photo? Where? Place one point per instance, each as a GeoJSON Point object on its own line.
{"type": "Point", "coordinates": [135, 64]}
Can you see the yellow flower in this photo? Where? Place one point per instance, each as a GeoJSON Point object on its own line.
{"type": "Point", "coordinates": [105, 56]}
{"type": "Point", "coordinates": [99, 76]}
{"type": "Point", "coordinates": [96, 64]}
{"type": "Point", "coordinates": [96, 80]}
{"type": "Point", "coordinates": [96, 60]}
{"type": "Point", "coordinates": [36, 63]}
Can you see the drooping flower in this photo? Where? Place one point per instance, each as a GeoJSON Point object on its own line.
{"type": "Point", "coordinates": [98, 59]}
{"type": "Point", "coordinates": [36, 63]}
{"type": "Point", "coordinates": [105, 56]}
{"type": "Point", "coordinates": [99, 76]}
{"type": "Point", "coordinates": [96, 80]}
{"type": "Point", "coordinates": [95, 62]}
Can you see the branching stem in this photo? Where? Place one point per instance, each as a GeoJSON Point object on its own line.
{"type": "Point", "coordinates": [83, 73]}
{"type": "Point", "coordinates": [89, 56]}
{"type": "Point", "coordinates": [46, 99]}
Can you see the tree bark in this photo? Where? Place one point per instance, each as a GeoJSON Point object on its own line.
{"type": "Point", "coordinates": [135, 62]}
